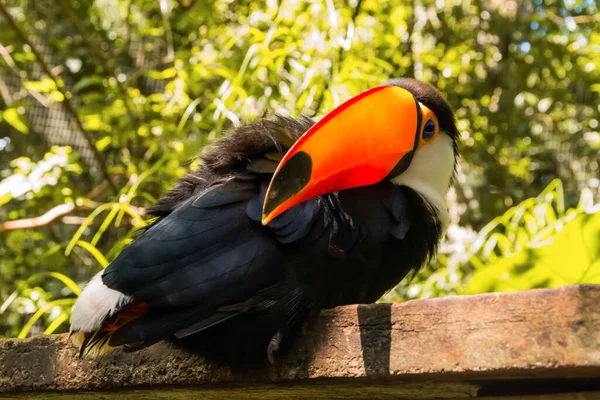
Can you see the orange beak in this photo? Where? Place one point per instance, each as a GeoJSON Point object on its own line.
{"type": "Point", "coordinates": [359, 143]}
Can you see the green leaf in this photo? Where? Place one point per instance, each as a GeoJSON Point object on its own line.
{"type": "Point", "coordinates": [573, 257]}
{"type": "Point", "coordinates": [102, 143]}
{"type": "Point", "coordinates": [104, 226]}
{"type": "Point", "coordinates": [44, 86]}
{"type": "Point", "coordinates": [86, 82]}
{"type": "Point", "coordinates": [5, 198]}
{"type": "Point", "coordinates": [8, 301]}
{"type": "Point", "coordinates": [164, 74]}
{"type": "Point", "coordinates": [74, 240]}
{"type": "Point", "coordinates": [188, 111]}
{"type": "Point", "coordinates": [94, 252]}
{"type": "Point", "coordinates": [94, 122]}
{"type": "Point", "coordinates": [54, 325]}
{"type": "Point", "coordinates": [56, 96]}
{"type": "Point", "coordinates": [16, 120]}
{"type": "Point", "coordinates": [67, 281]}
{"type": "Point", "coordinates": [38, 314]}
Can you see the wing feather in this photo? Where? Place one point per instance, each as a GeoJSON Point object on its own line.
{"type": "Point", "coordinates": [198, 265]}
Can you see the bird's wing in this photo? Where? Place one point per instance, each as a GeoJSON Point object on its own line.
{"type": "Point", "coordinates": [194, 267]}
{"type": "Point", "coordinates": [208, 251]}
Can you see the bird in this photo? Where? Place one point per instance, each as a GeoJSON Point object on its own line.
{"type": "Point", "coordinates": [284, 217]}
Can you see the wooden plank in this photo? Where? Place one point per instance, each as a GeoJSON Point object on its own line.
{"type": "Point", "coordinates": [450, 348]}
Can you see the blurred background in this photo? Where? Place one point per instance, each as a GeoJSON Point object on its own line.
{"type": "Point", "coordinates": [105, 103]}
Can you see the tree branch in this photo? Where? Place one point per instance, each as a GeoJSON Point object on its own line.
{"type": "Point", "coordinates": [586, 19]}
{"type": "Point", "coordinates": [42, 220]}
{"type": "Point", "coordinates": [578, 19]}
{"type": "Point", "coordinates": [54, 213]}
{"type": "Point", "coordinates": [59, 86]}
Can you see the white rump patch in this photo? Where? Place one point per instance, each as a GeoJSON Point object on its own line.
{"type": "Point", "coordinates": [96, 303]}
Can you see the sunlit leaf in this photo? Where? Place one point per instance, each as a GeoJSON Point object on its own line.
{"type": "Point", "coordinates": [16, 120]}
{"type": "Point", "coordinates": [571, 258]}
{"type": "Point", "coordinates": [86, 82]}
{"type": "Point", "coordinates": [164, 74]}
{"type": "Point", "coordinates": [5, 198]}
{"type": "Point", "coordinates": [54, 325]}
{"type": "Point", "coordinates": [8, 301]}
{"type": "Point", "coordinates": [39, 313]}
{"type": "Point", "coordinates": [46, 85]}
{"type": "Point", "coordinates": [100, 209]}
{"type": "Point", "coordinates": [56, 96]}
{"type": "Point", "coordinates": [102, 143]}
{"type": "Point", "coordinates": [67, 281]}
{"type": "Point", "coordinates": [94, 252]}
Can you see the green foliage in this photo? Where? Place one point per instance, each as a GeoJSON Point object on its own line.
{"type": "Point", "coordinates": [134, 89]}
{"type": "Point", "coordinates": [573, 257]}
{"type": "Point", "coordinates": [536, 244]}
{"type": "Point", "coordinates": [16, 120]}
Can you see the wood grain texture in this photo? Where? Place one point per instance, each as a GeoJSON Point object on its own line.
{"type": "Point", "coordinates": [538, 341]}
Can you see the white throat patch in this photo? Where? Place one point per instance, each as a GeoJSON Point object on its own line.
{"type": "Point", "coordinates": [430, 172]}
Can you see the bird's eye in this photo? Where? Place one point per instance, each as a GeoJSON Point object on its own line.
{"type": "Point", "coordinates": [429, 129]}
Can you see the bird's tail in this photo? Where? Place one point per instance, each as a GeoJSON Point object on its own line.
{"type": "Point", "coordinates": [98, 313]}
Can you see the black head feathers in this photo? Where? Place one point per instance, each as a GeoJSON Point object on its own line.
{"type": "Point", "coordinates": [433, 99]}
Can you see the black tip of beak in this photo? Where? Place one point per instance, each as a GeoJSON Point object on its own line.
{"type": "Point", "coordinates": [293, 176]}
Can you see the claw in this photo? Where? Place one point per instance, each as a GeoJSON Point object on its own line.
{"type": "Point", "coordinates": [274, 346]}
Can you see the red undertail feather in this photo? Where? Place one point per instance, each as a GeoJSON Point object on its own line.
{"type": "Point", "coordinates": [97, 343]}
{"type": "Point", "coordinates": [131, 311]}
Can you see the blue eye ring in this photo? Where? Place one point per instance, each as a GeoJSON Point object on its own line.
{"type": "Point", "coordinates": [429, 129]}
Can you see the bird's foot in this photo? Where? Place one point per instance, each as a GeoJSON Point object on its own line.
{"type": "Point", "coordinates": [274, 346]}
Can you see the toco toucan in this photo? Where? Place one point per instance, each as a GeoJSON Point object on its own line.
{"type": "Point", "coordinates": [283, 218]}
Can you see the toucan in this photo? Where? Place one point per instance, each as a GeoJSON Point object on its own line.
{"type": "Point", "coordinates": [284, 217]}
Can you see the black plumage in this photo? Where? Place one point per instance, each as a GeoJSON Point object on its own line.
{"type": "Point", "coordinates": [216, 280]}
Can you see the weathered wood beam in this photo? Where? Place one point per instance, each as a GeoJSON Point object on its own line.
{"type": "Point", "coordinates": [538, 341]}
